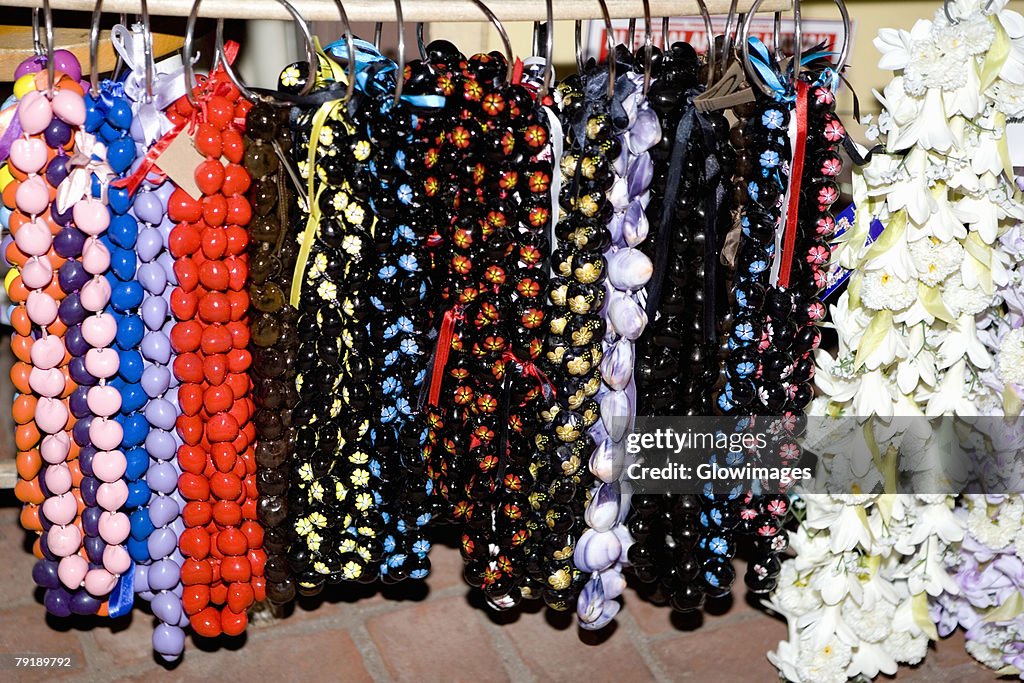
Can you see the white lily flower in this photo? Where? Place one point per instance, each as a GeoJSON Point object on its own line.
{"type": "Point", "coordinates": [911, 191]}
{"type": "Point", "coordinates": [963, 342]}
{"type": "Point", "coordinates": [1013, 24]}
{"type": "Point", "coordinates": [896, 45]}
{"type": "Point", "coordinates": [966, 101]}
{"type": "Point", "coordinates": [949, 398]}
{"type": "Point", "coordinates": [930, 129]}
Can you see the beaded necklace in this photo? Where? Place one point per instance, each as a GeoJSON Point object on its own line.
{"type": "Point", "coordinates": [337, 521]}
{"type": "Point", "coordinates": [211, 338]}
{"type": "Point", "coordinates": [273, 339]}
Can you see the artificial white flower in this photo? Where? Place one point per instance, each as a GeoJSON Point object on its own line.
{"type": "Point", "coordinates": [1010, 365]}
{"type": "Point", "coordinates": [935, 260]}
{"type": "Point", "coordinates": [883, 290]}
{"type": "Point", "coordinates": [963, 300]}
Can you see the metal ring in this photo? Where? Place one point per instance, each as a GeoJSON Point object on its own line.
{"type": "Point", "coordinates": [631, 33]}
{"type": "Point", "coordinates": [419, 40]}
{"type": "Point", "coordinates": [400, 76]}
{"type": "Point", "coordinates": [493, 18]}
{"type": "Point", "coordinates": [350, 42]}
{"type": "Point", "coordinates": [798, 40]}
{"type": "Point", "coordinates": [94, 49]}
{"type": "Point", "coordinates": [48, 23]}
{"type": "Point", "coordinates": [648, 45]}
{"type": "Point", "coordinates": [798, 47]}
{"type": "Point", "coordinates": [267, 98]}
{"type": "Point", "coordinates": [549, 49]}
{"type": "Point", "coordinates": [752, 77]}
{"type": "Point", "coordinates": [378, 30]}
{"type": "Point", "coordinates": [610, 39]}
{"type": "Point", "coordinates": [947, 8]}
{"type": "Point", "coordinates": [579, 46]}
{"type": "Point", "coordinates": [147, 50]}
{"type": "Point", "coordinates": [777, 36]}
{"type": "Point", "coordinates": [709, 28]}
{"type": "Point", "coordinates": [37, 40]}
{"type": "Point", "coordinates": [664, 34]}
{"type": "Point", "coordinates": [732, 32]}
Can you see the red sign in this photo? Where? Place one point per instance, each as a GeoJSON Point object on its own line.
{"type": "Point", "coordinates": [692, 30]}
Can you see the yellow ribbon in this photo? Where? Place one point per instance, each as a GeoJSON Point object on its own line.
{"type": "Point", "coordinates": [997, 54]}
{"type": "Point", "coordinates": [879, 328]}
{"type": "Point", "coordinates": [328, 70]}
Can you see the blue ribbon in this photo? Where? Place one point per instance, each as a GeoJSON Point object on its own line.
{"type": "Point", "coordinates": [373, 68]}
{"type": "Point", "coordinates": [109, 91]}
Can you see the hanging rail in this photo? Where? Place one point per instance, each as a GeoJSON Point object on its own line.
{"type": "Point", "coordinates": [414, 10]}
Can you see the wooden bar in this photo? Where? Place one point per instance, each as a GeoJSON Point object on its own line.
{"type": "Point", "coordinates": [16, 45]}
{"type": "Point", "coordinates": [413, 10]}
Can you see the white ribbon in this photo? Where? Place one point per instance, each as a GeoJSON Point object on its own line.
{"type": "Point", "coordinates": [168, 81]}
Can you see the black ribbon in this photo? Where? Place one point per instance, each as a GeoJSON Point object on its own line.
{"type": "Point", "coordinates": [712, 206]}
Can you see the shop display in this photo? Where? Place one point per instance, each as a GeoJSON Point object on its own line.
{"type": "Point", "coordinates": [269, 342]}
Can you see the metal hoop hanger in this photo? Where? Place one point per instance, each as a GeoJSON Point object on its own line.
{"type": "Point", "coordinates": [147, 48]}
{"type": "Point", "coordinates": [419, 40]}
{"type": "Point", "coordinates": [648, 46]}
{"type": "Point", "coordinates": [269, 98]}
{"type": "Point", "coordinates": [48, 28]}
{"type": "Point", "coordinates": [400, 75]}
{"type": "Point", "coordinates": [731, 29]}
{"type": "Point", "coordinates": [609, 41]}
{"type": "Point", "coordinates": [709, 29]}
{"type": "Point", "coordinates": [496, 22]}
{"type": "Point", "coordinates": [147, 51]}
{"type": "Point", "coordinates": [37, 39]}
{"type": "Point", "coordinates": [549, 47]}
{"type": "Point", "coordinates": [378, 31]}
{"type": "Point", "coordinates": [947, 9]}
{"type": "Point", "coordinates": [798, 47]}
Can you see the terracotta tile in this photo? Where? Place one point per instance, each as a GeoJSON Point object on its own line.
{"type": "Point", "coordinates": [949, 653]}
{"type": "Point", "coordinates": [723, 653]}
{"type": "Point", "coordinates": [16, 585]}
{"type": "Point", "coordinates": [127, 641]}
{"type": "Point", "coordinates": [28, 631]}
{"type": "Point", "coordinates": [657, 619]}
{"type": "Point", "coordinates": [327, 654]}
{"type": "Point", "coordinates": [440, 640]}
{"type": "Point", "coordinates": [555, 649]}
{"type": "Point", "coordinates": [445, 563]}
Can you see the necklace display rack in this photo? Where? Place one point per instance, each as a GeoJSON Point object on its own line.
{"type": "Point", "coordinates": [425, 11]}
{"type": "Point", "coordinates": [375, 11]}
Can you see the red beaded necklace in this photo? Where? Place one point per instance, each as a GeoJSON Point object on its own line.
{"type": "Point", "coordinates": [222, 544]}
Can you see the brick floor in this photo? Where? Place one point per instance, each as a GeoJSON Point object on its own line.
{"type": "Point", "coordinates": [438, 632]}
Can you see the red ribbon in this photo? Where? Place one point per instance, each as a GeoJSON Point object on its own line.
{"type": "Point", "coordinates": [517, 72]}
{"type": "Point", "coordinates": [444, 348]}
{"type": "Point", "coordinates": [197, 116]}
{"type": "Point", "coordinates": [530, 369]}
{"type": "Point", "coordinates": [795, 181]}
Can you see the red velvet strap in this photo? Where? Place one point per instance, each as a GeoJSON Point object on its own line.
{"type": "Point", "coordinates": [795, 181]}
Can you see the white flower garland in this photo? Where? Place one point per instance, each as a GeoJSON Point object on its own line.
{"type": "Point", "coordinates": [856, 595]}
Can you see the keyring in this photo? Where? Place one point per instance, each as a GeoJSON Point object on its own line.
{"type": "Point", "coordinates": [947, 8]}
{"type": "Point", "coordinates": [419, 40]}
{"type": "Point", "coordinates": [610, 40]}
{"type": "Point", "coordinates": [648, 46]}
{"type": "Point", "coordinates": [48, 23]}
{"type": "Point", "coordinates": [400, 76]}
{"type": "Point", "coordinates": [710, 29]}
{"type": "Point", "coordinates": [147, 50]}
{"type": "Point", "coordinates": [493, 18]}
{"type": "Point", "coordinates": [549, 47]}
{"type": "Point", "coordinates": [798, 52]}
{"type": "Point", "coordinates": [262, 97]}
